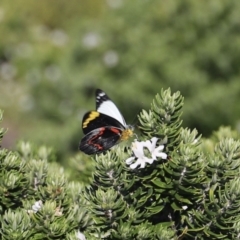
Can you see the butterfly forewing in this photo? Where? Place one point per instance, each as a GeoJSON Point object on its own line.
{"type": "Point", "coordinates": [106, 106]}
{"type": "Point", "coordinates": [93, 120]}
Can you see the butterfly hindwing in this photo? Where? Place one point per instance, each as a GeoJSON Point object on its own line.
{"type": "Point", "coordinates": [100, 139]}
{"type": "Point", "coordinates": [93, 120]}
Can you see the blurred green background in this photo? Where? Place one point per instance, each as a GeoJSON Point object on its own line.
{"type": "Point", "coordinates": [55, 53]}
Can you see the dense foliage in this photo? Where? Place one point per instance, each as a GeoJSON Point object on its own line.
{"type": "Point", "coordinates": [187, 188]}
{"type": "Point", "coordinates": [53, 56]}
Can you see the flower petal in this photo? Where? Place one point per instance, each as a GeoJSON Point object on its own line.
{"type": "Point", "coordinates": [154, 141]}
{"type": "Point", "coordinates": [134, 165]}
{"type": "Point", "coordinates": [161, 155]}
{"type": "Point", "coordinates": [129, 160]}
{"type": "Point", "coordinates": [137, 148]}
{"type": "Point", "coordinates": [160, 148]}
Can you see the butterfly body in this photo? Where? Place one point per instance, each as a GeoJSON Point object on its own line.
{"type": "Point", "coordinates": [104, 127]}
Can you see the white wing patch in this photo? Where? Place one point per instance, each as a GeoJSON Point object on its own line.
{"type": "Point", "coordinates": [109, 108]}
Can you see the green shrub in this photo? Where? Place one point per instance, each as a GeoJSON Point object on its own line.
{"type": "Point", "coordinates": [169, 184]}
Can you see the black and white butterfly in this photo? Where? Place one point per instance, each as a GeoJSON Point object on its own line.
{"type": "Point", "coordinates": [104, 127]}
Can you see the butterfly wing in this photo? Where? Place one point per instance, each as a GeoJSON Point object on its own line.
{"type": "Point", "coordinates": [104, 127]}
{"type": "Point", "coordinates": [106, 106]}
{"type": "Point", "coordinates": [99, 140]}
{"type": "Point", "coordinates": [93, 120]}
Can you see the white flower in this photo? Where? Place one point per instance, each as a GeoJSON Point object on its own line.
{"type": "Point", "coordinates": [7, 71]}
{"type": "Point", "coordinates": [37, 206]}
{"type": "Point", "coordinates": [2, 14]}
{"type": "Point", "coordinates": [80, 236]}
{"type": "Point", "coordinates": [91, 40]}
{"type": "Point", "coordinates": [53, 73]}
{"type": "Point", "coordinates": [25, 102]}
{"type": "Point", "coordinates": [114, 3]}
{"type": "Point", "coordinates": [138, 150]}
{"type": "Point", "coordinates": [111, 58]}
{"type": "Point", "coordinates": [59, 37]}
{"type": "Point", "coordinates": [184, 207]}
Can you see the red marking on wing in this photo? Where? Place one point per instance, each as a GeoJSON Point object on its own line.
{"type": "Point", "coordinates": [115, 130]}
{"type": "Point", "coordinates": [101, 131]}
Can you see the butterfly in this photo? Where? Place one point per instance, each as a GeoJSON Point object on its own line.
{"type": "Point", "coordinates": [104, 127]}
